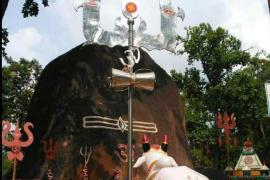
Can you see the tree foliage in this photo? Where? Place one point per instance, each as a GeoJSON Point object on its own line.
{"type": "Point", "coordinates": [231, 80]}
{"type": "Point", "coordinates": [18, 83]}
{"type": "Point", "coordinates": [6, 164]}
{"type": "Point", "coordinates": [216, 49]}
{"type": "Point", "coordinates": [31, 7]}
{"type": "Point", "coordinates": [4, 41]}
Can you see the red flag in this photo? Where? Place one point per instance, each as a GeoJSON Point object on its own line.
{"type": "Point", "coordinates": [227, 131]}
{"type": "Point", "coordinates": [233, 122]}
{"type": "Point", "coordinates": [226, 118]}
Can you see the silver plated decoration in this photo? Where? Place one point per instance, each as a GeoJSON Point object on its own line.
{"type": "Point", "coordinates": [132, 59]}
{"type": "Point", "coordinates": [121, 124]}
{"type": "Point", "coordinates": [94, 33]}
{"type": "Point", "coordinates": [142, 80]}
{"type": "Point", "coordinates": [99, 122]}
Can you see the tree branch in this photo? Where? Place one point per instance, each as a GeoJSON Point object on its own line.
{"type": "Point", "coordinates": [4, 4]}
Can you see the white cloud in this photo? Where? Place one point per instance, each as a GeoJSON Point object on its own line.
{"type": "Point", "coordinates": [250, 22]}
{"type": "Point", "coordinates": [67, 19]}
{"type": "Point", "coordinates": [29, 43]}
{"type": "Point", "coordinates": [58, 28]}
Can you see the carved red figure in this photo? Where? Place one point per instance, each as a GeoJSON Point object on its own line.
{"type": "Point", "coordinates": [50, 174]}
{"type": "Point", "coordinates": [121, 152]}
{"type": "Point", "coordinates": [50, 148]}
{"type": "Point", "coordinates": [116, 174]}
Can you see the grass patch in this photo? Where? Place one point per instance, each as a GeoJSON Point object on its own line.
{"type": "Point", "coordinates": [6, 164]}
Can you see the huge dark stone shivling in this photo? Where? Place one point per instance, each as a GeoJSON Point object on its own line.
{"type": "Point", "coordinates": [76, 84]}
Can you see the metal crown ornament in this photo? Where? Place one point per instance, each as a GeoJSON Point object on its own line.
{"type": "Point", "coordinates": [165, 39]}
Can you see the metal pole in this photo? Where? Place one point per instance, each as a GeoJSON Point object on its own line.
{"type": "Point", "coordinates": [228, 158]}
{"type": "Point", "coordinates": [14, 169]}
{"type": "Point", "coordinates": [269, 5]}
{"type": "Point", "coordinates": [130, 94]}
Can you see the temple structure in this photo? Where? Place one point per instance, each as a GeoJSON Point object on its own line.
{"type": "Point", "coordinates": [249, 164]}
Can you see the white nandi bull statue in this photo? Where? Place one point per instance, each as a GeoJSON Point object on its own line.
{"type": "Point", "coordinates": [160, 166]}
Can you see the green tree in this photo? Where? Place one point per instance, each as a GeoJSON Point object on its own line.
{"type": "Point", "coordinates": [215, 49]}
{"type": "Point", "coordinates": [199, 119]}
{"type": "Point", "coordinates": [18, 78]}
{"type": "Point", "coordinates": [218, 84]}
{"type": "Point", "coordinates": [18, 83]}
{"type": "Point", "coordinates": [244, 91]}
{"type": "Point", "coordinates": [30, 7]}
{"type": "Point", "coordinates": [4, 41]}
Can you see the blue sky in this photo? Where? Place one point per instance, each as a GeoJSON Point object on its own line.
{"type": "Point", "coordinates": [58, 28]}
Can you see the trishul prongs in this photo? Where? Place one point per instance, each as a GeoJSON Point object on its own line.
{"type": "Point", "coordinates": [50, 148]}
{"type": "Point", "coordinates": [86, 153]}
{"type": "Point", "coordinates": [16, 143]}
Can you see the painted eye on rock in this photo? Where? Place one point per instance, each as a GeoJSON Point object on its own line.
{"type": "Point", "coordinates": [169, 11]}
{"type": "Point", "coordinates": [91, 3]}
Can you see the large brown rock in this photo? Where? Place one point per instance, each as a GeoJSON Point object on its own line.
{"type": "Point", "coordinates": [75, 85]}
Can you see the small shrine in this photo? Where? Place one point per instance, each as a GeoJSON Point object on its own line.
{"type": "Point", "coordinates": [249, 165]}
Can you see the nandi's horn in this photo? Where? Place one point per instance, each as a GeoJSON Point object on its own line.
{"type": "Point", "coordinates": [146, 144]}
{"type": "Point", "coordinates": [164, 145]}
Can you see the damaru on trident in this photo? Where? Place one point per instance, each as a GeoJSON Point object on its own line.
{"type": "Point", "coordinates": [126, 77]}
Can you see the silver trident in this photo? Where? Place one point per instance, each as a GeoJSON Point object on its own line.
{"type": "Point", "coordinates": [86, 153]}
{"type": "Point", "coordinates": [130, 89]}
{"type": "Point", "coordinates": [129, 79]}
